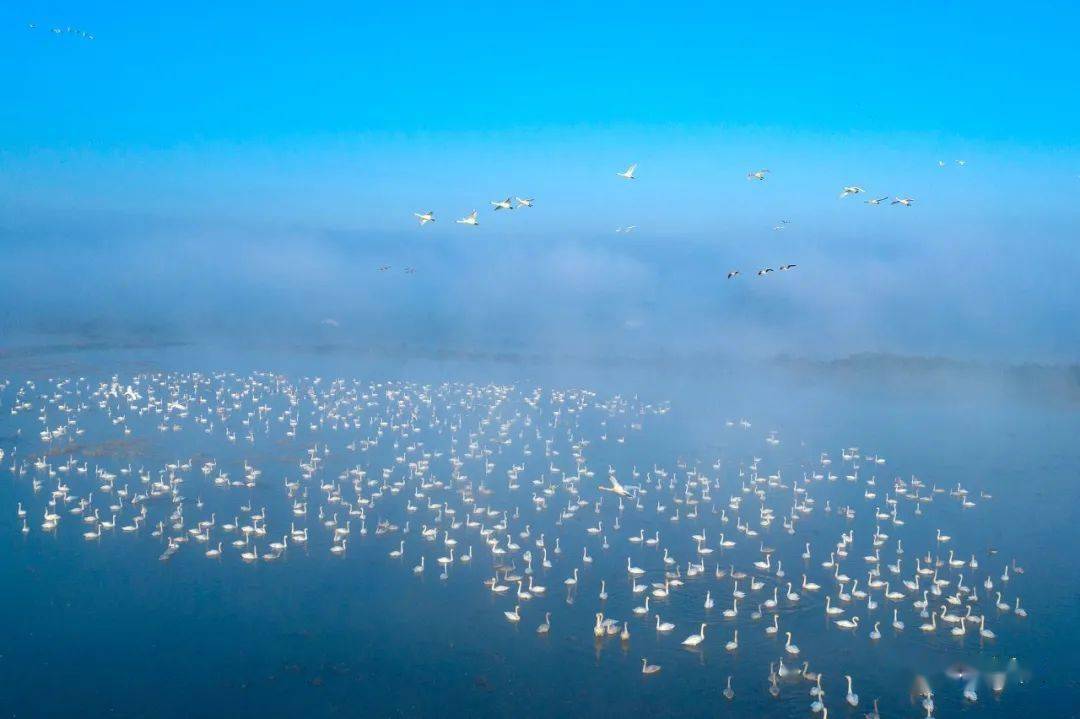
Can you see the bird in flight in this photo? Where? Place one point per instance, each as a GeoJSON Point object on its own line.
{"type": "Point", "coordinates": [615, 487]}
{"type": "Point", "coordinates": [425, 217]}
{"type": "Point", "coordinates": [384, 268]}
{"type": "Point", "coordinates": [629, 174]}
{"type": "Point", "coordinates": [756, 175]}
{"type": "Point", "coordinates": [905, 201]}
{"type": "Point", "coordinates": [785, 268]}
{"type": "Point", "coordinates": [502, 204]}
{"type": "Point", "coordinates": [851, 190]}
{"type": "Point", "coordinates": [410, 270]}
{"type": "Point", "coordinates": [470, 220]}
{"type": "Point", "coordinates": [627, 230]}
{"type": "Point", "coordinates": [733, 274]}
{"type": "Point", "coordinates": [877, 201]}
{"type": "Point", "coordinates": [524, 201]}
{"type": "Point", "coordinates": [961, 162]}
{"type": "Point", "coordinates": [764, 271]}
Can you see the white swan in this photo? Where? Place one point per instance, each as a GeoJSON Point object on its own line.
{"type": "Point", "coordinates": [694, 639]}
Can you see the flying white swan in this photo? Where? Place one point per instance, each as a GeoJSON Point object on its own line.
{"type": "Point", "coordinates": [615, 488]}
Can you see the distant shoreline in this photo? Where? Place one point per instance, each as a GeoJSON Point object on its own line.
{"type": "Point", "coordinates": [1060, 381]}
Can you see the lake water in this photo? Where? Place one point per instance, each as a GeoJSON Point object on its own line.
{"type": "Point", "coordinates": [104, 628]}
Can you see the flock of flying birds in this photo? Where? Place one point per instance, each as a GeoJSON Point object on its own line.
{"type": "Point", "coordinates": [762, 272]}
{"type": "Point", "coordinates": [472, 218]}
{"type": "Point", "coordinates": [509, 203]}
{"type": "Point", "coordinates": [630, 173]}
{"type": "Point", "coordinates": [65, 31]}
{"type": "Point", "coordinates": [497, 486]}
{"type": "Point", "coordinates": [856, 190]}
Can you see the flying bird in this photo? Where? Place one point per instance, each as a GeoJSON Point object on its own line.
{"type": "Point", "coordinates": [785, 268]}
{"type": "Point", "coordinates": [470, 220]}
{"type": "Point", "coordinates": [629, 174]}
{"type": "Point", "coordinates": [877, 201]}
{"type": "Point", "coordinates": [905, 201]}
{"type": "Point", "coordinates": [524, 201]}
{"type": "Point", "coordinates": [425, 217]}
{"type": "Point", "coordinates": [410, 270]}
{"type": "Point", "coordinates": [852, 190]}
{"type": "Point", "coordinates": [503, 204]}
{"type": "Point", "coordinates": [764, 271]}
{"type": "Point", "coordinates": [384, 268]}
{"type": "Point", "coordinates": [628, 229]}
{"type": "Point", "coordinates": [756, 175]}
{"type": "Point", "coordinates": [615, 487]}
{"type": "Point", "coordinates": [733, 274]}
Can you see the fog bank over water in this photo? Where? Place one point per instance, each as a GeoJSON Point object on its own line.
{"type": "Point", "coordinates": [715, 386]}
{"type": "Point", "coordinates": [592, 296]}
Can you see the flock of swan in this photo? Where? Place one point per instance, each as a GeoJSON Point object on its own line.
{"type": "Point", "coordinates": [73, 31]}
{"type": "Point", "coordinates": [473, 218]}
{"type": "Point", "coordinates": [424, 217]}
{"type": "Point", "coordinates": [495, 484]}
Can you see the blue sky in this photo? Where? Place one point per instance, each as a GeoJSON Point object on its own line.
{"type": "Point", "coordinates": [198, 136]}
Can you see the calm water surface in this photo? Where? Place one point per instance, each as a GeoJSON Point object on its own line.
{"type": "Point", "coordinates": [104, 628]}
